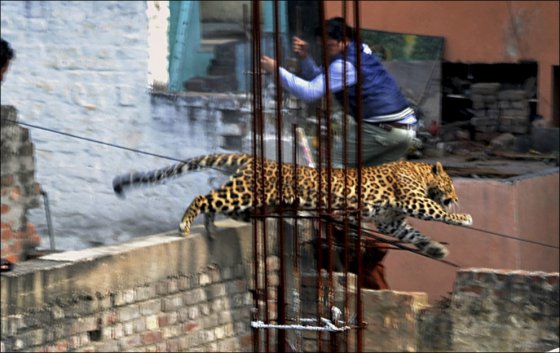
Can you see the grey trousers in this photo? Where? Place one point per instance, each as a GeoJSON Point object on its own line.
{"type": "Point", "coordinates": [378, 145]}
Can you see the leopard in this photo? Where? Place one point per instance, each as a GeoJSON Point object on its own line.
{"type": "Point", "coordinates": [390, 193]}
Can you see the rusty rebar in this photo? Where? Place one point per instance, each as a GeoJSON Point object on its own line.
{"type": "Point", "coordinates": [280, 292]}
{"type": "Point", "coordinates": [359, 123]}
{"type": "Point", "coordinates": [259, 247]}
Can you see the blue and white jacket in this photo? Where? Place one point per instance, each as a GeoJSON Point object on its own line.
{"type": "Point", "coordinates": [382, 100]}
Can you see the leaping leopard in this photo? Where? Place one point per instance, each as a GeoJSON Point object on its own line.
{"type": "Point", "coordinates": [390, 193]}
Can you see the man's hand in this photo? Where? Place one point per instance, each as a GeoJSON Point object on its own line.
{"type": "Point", "coordinates": [299, 46]}
{"type": "Point", "coordinates": [268, 64]}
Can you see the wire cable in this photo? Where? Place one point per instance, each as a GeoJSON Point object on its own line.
{"type": "Point", "coordinates": [513, 238]}
{"type": "Point", "coordinates": [94, 140]}
{"type": "Point", "coordinates": [181, 160]}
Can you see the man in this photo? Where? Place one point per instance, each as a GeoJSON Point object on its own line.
{"type": "Point", "coordinates": [6, 54]}
{"type": "Point", "coordinates": [388, 121]}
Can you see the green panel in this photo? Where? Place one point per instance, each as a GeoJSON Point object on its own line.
{"type": "Point", "coordinates": [403, 46]}
{"type": "Point", "coordinates": [185, 60]}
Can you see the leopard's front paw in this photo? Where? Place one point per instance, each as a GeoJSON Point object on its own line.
{"type": "Point", "coordinates": [184, 229]}
{"type": "Point", "coordinates": [466, 219]}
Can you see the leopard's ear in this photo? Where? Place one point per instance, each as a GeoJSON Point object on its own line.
{"type": "Point", "coordinates": [437, 169]}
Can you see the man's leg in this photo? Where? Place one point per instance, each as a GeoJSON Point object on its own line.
{"type": "Point", "coordinates": [378, 145]}
{"type": "Point", "coordinates": [373, 267]}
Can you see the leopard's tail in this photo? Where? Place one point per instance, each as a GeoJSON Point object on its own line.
{"type": "Point", "coordinates": [124, 182]}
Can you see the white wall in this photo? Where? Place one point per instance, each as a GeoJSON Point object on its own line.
{"type": "Point", "coordinates": [81, 67]}
{"type": "Point", "coordinates": [158, 19]}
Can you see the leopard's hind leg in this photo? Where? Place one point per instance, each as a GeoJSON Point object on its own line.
{"type": "Point", "coordinates": [198, 205]}
{"type": "Point", "coordinates": [224, 201]}
{"type": "Point", "coordinates": [393, 223]}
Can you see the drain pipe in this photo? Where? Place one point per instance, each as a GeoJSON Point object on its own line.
{"type": "Point", "coordinates": [48, 215]}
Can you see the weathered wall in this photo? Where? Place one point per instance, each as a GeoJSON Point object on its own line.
{"type": "Point", "coordinates": [477, 31]}
{"type": "Point", "coordinates": [161, 292]}
{"type": "Point", "coordinates": [169, 293]}
{"type": "Point", "coordinates": [20, 191]}
{"type": "Point", "coordinates": [524, 207]}
{"type": "Point", "coordinates": [505, 311]}
{"type": "Point", "coordinates": [79, 71]}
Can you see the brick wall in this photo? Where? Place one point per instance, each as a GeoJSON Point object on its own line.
{"type": "Point", "coordinates": [506, 311]}
{"type": "Point", "coordinates": [20, 191]}
{"type": "Point", "coordinates": [488, 310]}
{"type": "Point", "coordinates": [169, 293]}
{"type": "Point", "coordinates": [160, 293]}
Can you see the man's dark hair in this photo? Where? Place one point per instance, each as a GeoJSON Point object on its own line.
{"type": "Point", "coordinates": [337, 29]}
{"type": "Point", "coordinates": [6, 52]}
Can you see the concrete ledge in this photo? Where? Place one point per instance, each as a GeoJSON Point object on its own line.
{"type": "Point", "coordinates": [108, 268]}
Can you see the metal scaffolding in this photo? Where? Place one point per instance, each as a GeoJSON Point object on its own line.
{"type": "Point", "coordinates": [277, 316]}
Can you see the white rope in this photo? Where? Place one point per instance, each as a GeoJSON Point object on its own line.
{"type": "Point", "coordinates": [329, 326]}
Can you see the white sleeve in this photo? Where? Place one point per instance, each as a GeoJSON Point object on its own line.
{"type": "Point", "coordinates": [315, 89]}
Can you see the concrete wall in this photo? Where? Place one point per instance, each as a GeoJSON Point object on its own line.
{"type": "Point", "coordinates": [168, 293]}
{"type": "Point", "coordinates": [477, 32]}
{"type": "Point", "coordinates": [524, 207]}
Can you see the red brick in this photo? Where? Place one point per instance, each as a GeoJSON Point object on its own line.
{"type": "Point", "coordinates": [111, 318]}
{"type": "Point", "coordinates": [4, 209]}
{"type": "Point", "coordinates": [7, 233]}
{"type": "Point", "coordinates": [163, 320]}
{"type": "Point", "coordinates": [246, 342]}
{"type": "Point", "coordinates": [151, 337]}
{"type": "Point", "coordinates": [11, 257]}
{"type": "Point", "coordinates": [552, 279]}
{"type": "Point", "coordinates": [7, 180]}
{"type": "Point", "coordinates": [30, 229]}
{"type": "Point", "coordinates": [62, 346]}
{"type": "Point", "coordinates": [501, 293]}
{"type": "Point", "coordinates": [36, 188]}
{"type": "Point", "coordinates": [15, 193]}
{"type": "Point", "coordinates": [189, 326]}
{"type": "Point", "coordinates": [34, 241]}
{"type": "Point", "coordinates": [473, 289]}
{"type": "Point", "coordinates": [172, 345]}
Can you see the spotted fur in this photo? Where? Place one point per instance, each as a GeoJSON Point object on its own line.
{"type": "Point", "coordinates": [390, 193]}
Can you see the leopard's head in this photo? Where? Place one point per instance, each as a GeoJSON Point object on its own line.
{"type": "Point", "coordinates": [440, 187]}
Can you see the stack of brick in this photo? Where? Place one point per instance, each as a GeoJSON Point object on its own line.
{"type": "Point", "coordinates": [498, 110]}
{"type": "Point", "coordinates": [20, 192]}
{"type": "Point", "coordinates": [514, 111]}
{"type": "Point", "coordinates": [485, 109]}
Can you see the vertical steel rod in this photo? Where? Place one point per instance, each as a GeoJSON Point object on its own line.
{"type": "Point", "coordinates": [255, 113]}
{"type": "Point", "coordinates": [346, 243]}
{"type": "Point", "coordinates": [359, 123]}
{"type": "Point", "coordinates": [328, 167]}
{"type": "Point", "coordinates": [296, 254]}
{"type": "Point", "coordinates": [281, 299]}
